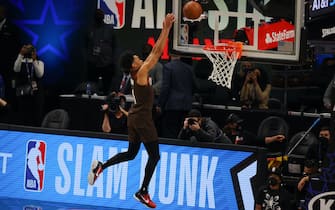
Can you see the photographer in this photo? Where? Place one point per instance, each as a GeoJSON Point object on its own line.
{"type": "Point", "coordinates": [115, 115]}
{"type": "Point", "coordinates": [256, 88]}
{"type": "Point", "coordinates": [198, 128]}
{"type": "Point", "coordinates": [29, 71]}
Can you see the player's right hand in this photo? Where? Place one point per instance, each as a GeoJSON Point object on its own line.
{"type": "Point", "coordinates": [168, 22]}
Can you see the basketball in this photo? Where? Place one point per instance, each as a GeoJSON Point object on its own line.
{"type": "Point", "coordinates": [192, 10]}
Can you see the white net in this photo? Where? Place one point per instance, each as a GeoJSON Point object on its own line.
{"type": "Point", "coordinates": [223, 66]}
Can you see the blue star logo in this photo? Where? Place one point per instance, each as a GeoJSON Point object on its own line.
{"type": "Point", "coordinates": [49, 33]}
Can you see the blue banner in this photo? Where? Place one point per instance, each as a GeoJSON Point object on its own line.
{"type": "Point", "coordinates": [53, 167]}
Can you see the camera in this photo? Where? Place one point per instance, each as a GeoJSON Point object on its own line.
{"type": "Point", "coordinates": [114, 102]}
{"type": "Point", "coordinates": [191, 121]}
{"type": "Point", "coordinates": [248, 70]}
{"type": "Point", "coordinates": [29, 52]}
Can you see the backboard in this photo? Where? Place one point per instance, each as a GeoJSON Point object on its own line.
{"type": "Point", "coordinates": [271, 30]}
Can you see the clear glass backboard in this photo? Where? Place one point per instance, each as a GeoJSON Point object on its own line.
{"type": "Point", "coordinates": [271, 30]}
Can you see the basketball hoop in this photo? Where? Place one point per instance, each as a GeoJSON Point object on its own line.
{"type": "Point", "coordinates": [223, 56]}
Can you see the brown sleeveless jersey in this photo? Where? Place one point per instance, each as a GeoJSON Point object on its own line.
{"type": "Point", "coordinates": [143, 101]}
{"type": "Point", "coordinates": [140, 124]}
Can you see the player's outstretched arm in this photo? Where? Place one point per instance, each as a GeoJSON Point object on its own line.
{"type": "Point", "coordinates": [157, 50]}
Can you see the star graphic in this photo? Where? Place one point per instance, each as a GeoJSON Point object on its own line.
{"type": "Point", "coordinates": [271, 202]}
{"type": "Point", "coordinates": [49, 33]}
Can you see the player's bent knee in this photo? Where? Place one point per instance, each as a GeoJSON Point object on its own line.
{"type": "Point", "coordinates": [155, 158]}
{"type": "Point", "coordinates": [131, 156]}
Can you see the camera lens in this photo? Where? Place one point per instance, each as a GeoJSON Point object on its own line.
{"type": "Point", "coordinates": [114, 104]}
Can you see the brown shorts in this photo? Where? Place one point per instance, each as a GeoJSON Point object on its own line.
{"type": "Point", "coordinates": [144, 131]}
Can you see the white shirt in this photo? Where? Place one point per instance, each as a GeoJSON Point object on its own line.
{"type": "Point", "coordinates": [38, 65]}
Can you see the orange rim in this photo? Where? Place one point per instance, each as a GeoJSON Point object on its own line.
{"type": "Point", "coordinates": [226, 46]}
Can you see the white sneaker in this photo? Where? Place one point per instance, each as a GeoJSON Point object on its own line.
{"type": "Point", "coordinates": [96, 170]}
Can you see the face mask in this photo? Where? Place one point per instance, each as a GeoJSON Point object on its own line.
{"type": "Point", "coordinates": [272, 181]}
{"type": "Point", "coordinates": [323, 139]}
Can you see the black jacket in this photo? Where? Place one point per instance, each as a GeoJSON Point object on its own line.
{"type": "Point", "coordinates": [208, 132]}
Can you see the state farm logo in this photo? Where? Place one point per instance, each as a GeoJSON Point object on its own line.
{"type": "Point", "coordinates": [277, 36]}
{"type": "Point", "coordinates": [323, 201]}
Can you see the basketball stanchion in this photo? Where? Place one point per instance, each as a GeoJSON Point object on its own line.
{"type": "Point", "coordinates": [223, 56]}
{"type": "Point", "coordinates": [304, 135]}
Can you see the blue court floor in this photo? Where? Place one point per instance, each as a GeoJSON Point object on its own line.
{"type": "Point", "coordinates": [22, 204]}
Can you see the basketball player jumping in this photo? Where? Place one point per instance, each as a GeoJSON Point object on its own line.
{"type": "Point", "coordinates": [141, 127]}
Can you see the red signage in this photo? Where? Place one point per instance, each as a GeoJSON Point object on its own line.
{"type": "Point", "coordinates": [269, 34]}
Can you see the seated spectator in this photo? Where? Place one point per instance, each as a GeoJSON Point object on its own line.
{"type": "Point", "coordinates": [115, 115]}
{"type": "Point", "coordinates": [317, 152]}
{"type": "Point", "coordinates": [233, 129]}
{"type": "Point", "coordinates": [324, 74]}
{"type": "Point", "coordinates": [329, 95]}
{"type": "Point", "coordinates": [256, 88]}
{"type": "Point", "coordinates": [310, 171]}
{"type": "Point", "coordinates": [201, 129]}
{"type": "Point", "coordinates": [273, 195]}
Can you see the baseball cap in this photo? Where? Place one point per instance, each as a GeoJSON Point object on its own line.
{"type": "Point", "coordinates": [233, 118]}
{"type": "Point", "coordinates": [194, 113]}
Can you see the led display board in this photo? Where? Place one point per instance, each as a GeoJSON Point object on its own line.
{"type": "Point", "coordinates": [53, 167]}
{"type": "Point", "coordinates": [321, 7]}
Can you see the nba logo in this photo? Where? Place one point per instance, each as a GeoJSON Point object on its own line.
{"type": "Point", "coordinates": [114, 12]}
{"type": "Point", "coordinates": [35, 162]}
